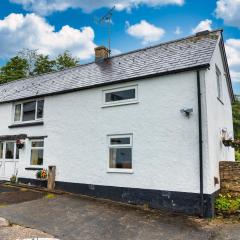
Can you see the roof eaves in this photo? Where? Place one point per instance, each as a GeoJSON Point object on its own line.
{"type": "Point", "coordinates": [197, 67]}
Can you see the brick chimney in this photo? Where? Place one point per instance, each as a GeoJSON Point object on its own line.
{"type": "Point", "coordinates": [101, 53]}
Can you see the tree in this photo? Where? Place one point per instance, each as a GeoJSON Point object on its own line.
{"type": "Point", "coordinates": [66, 60]}
{"type": "Point", "coordinates": [236, 124]}
{"type": "Point", "coordinates": [31, 57]}
{"type": "Point", "coordinates": [43, 64]}
{"type": "Point", "coordinates": [29, 63]}
{"type": "Point", "coordinates": [15, 68]}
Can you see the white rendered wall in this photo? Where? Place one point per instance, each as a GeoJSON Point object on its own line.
{"type": "Point", "coordinates": [219, 116]}
{"type": "Point", "coordinates": [165, 143]}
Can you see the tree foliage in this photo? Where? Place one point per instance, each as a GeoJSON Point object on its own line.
{"type": "Point", "coordinates": [236, 119]}
{"type": "Point", "coordinates": [66, 60]}
{"type": "Point", "coordinates": [15, 68]}
{"type": "Point", "coordinates": [30, 63]}
{"type": "Point", "coordinates": [43, 64]}
{"type": "Point", "coordinates": [236, 124]}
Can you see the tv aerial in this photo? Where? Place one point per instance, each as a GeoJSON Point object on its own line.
{"type": "Point", "coordinates": [107, 19]}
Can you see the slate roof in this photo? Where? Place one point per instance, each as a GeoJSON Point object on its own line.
{"type": "Point", "coordinates": [179, 55]}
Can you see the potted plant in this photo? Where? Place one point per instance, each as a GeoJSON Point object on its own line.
{"type": "Point", "coordinates": [13, 179]}
{"type": "Point", "coordinates": [20, 144]}
{"type": "Point", "coordinates": [227, 142]}
{"type": "Point", "coordinates": [42, 174]}
{"type": "Point", "coordinates": [231, 143]}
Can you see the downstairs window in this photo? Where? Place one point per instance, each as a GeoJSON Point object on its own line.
{"type": "Point", "coordinates": [120, 152]}
{"type": "Point", "coordinates": [37, 148]}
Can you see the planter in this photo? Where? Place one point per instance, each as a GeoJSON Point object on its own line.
{"type": "Point", "coordinates": [20, 145]}
{"type": "Point", "coordinates": [231, 143]}
{"type": "Point", "coordinates": [227, 143]}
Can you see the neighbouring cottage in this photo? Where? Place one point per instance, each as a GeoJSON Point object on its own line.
{"type": "Point", "coordinates": [143, 127]}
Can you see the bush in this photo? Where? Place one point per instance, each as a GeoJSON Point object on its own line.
{"type": "Point", "coordinates": [227, 204]}
{"type": "Point", "coordinates": [237, 155]}
{"type": "Point", "coordinates": [13, 179]}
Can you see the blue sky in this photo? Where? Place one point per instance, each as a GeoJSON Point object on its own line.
{"type": "Point", "coordinates": [53, 26]}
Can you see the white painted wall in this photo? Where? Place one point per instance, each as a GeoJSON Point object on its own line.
{"type": "Point", "coordinates": [219, 116]}
{"type": "Point", "coordinates": [165, 143]}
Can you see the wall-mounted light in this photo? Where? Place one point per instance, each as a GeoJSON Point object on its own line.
{"type": "Point", "coordinates": [187, 112]}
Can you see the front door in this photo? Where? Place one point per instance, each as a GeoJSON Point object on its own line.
{"type": "Point", "coordinates": [9, 157]}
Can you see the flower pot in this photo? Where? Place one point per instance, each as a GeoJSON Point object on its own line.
{"type": "Point", "coordinates": [20, 145]}
{"type": "Point", "coordinates": [227, 143]}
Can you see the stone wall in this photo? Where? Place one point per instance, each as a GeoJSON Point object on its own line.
{"type": "Point", "coordinates": [230, 177]}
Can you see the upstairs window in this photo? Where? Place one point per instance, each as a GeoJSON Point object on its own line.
{"type": "Point", "coordinates": [219, 83]}
{"type": "Point", "coordinates": [28, 111]}
{"type": "Point", "coordinates": [120, 96]}
{"type": "Point", "coordinates": [120, 153]}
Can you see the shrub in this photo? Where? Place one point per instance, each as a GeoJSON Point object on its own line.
{"type": "Point", "coordinates": [13, 179]}
{"type": "Point", "coordinates": [237, 155]}
{"type": "Point", "coordinates": [227, 204]}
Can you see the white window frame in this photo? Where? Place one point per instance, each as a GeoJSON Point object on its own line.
{"type": "Point", "coordinates": [219, 84]}
{"type": "Point", "coordinates": [120, 102]}
{"type": "Point", "coordinates": [130, 145]}
{"type": "Point", "coordinates": [14, 159]}
{"type": "Point", "coordinates": [31, 147]}
{"type": "Point", "coordinates": [21, 116]}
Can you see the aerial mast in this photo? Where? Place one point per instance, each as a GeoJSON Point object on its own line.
{"type": "Point", "coordinates": [107, 19]}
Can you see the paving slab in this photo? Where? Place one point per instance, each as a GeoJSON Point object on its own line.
{"type": "Point", "coordinates": [83, 218]}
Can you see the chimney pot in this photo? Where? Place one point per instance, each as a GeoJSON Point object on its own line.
{"type": "Point", "coordinates": [101, 53]}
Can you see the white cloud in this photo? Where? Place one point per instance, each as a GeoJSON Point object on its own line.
{"type": "Point", "coordinates": [145, 31]}
{"type": "Point", "coordinates": [228, 10]}
{"type": "Point", "coordinates": [233, 54]}
{"type": "Point", "coordinates": [178, 31]}
{"type": "Point", "coordinates": [31, 31]}
{"type": "Point", "coordinates": [203, 25]}
{"type": "Point", "coordinates": [235, 76]}
{"type": "Point", "coordinates": [46, 7]}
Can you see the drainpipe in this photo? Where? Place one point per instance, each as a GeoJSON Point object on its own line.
{"type": "Point", "coordinates": [200, 144]}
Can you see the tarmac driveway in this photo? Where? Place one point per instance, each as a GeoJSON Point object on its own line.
{"type": "Point", "coordinates": [71, 218]}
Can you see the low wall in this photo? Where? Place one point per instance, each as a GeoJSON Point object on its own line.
{"type": "Point", "coordinates": [230, 177]}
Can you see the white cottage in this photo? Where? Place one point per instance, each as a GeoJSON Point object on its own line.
{"type": "Point", "coordinates": [143, 127]}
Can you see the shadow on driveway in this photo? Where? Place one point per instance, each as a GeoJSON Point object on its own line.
{"type": "Point", "coordinates": [11, 195]}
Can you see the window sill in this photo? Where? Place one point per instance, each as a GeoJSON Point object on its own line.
{"type": "Point", "coordinates": [120, 104]}
{"type": "Point", "coordinates": [220, 100]}
{"type": "Point", "coordinates": [128, 171]}
{"type": "Point", "coordinates": [34, 168]}
{"type": "Point", "coordinates": [27, 124]}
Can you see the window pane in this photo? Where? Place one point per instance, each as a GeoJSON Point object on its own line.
{"type": "Point", "coordinates": [120, 95]}
{"type": "Point", "coordinates": [17, 115]}
{"type": "Point", "coordinates": [1, 150]}
{"type": "Point", "coordinates": [115, 141]}
{"type": "Point", "coordinates": [17, 153]}
{"type": "Point", "coordinates": [120, 158]}
{"type": "Point", "coordinates": [37, 157]}
{"type": "Point", "coordinates": [29, 111]}
{"type": "Point", "coordinates": [37, 143]}
{"type": "Point", "coordinates": [40, 105]}
{"type": "Point", "coordinates": [9, 150]}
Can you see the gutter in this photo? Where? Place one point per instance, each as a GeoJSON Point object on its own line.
{"type": "Point", "coordinates": [103, 84]}
{"type": "Point", "coordinates": [200, 144]}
